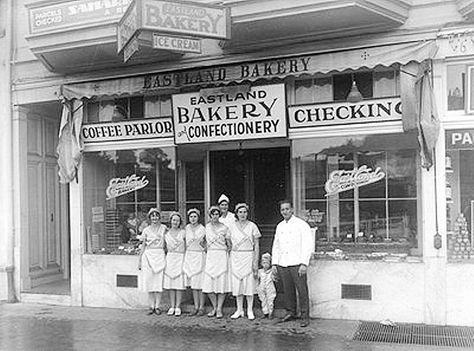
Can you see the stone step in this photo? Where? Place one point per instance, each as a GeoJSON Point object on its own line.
{"type": "Point", "coordinates": [46, 299]}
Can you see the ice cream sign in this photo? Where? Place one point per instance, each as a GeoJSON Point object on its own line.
{"type": "Point", "coordinates": [344, 180]}
{"type": "Point", "coordinates": [121, 186]}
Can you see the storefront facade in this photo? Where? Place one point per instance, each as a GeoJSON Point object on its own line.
{"type": "Point", "coordinates": [328, 123]}
{"type": "Point", "coordinates": [455, 169]}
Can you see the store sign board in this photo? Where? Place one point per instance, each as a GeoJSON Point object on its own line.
{"type": "Point", "coordinates": [130, 49]}
{"type": "Point", "coordinates": [128, 130]}
{"type": "Point", "coordinates": [175, 43]}
{"type": "Point", "coordinates": [187, 18]}
{"type": "Point", "coordinates": [460, 139]}
{"type": "Point", "coordinates": [75, 13]}
{"type": "Point", "coordinates": [121, 186]}
{"type": "Point", "coordinates": [127, 26]}
{"type": "Point", "coordinates": [230, 114]}
{"type": "Point", "coordinates": [343, 113]}
{"type": "Point", "coordinates": [344, 180]}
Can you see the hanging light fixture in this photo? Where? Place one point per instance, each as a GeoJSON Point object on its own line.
{"type": "Point", "coordinates": [354, 95]}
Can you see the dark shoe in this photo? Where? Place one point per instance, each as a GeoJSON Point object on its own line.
{"type": "Point", "coordinates": [201, 312]}
{"type": "Point", "coordinates": [304, 323]}
{"type": "Point", "coordinates": [157, 311]}
{"type": "Point", "coordinates": [194, 312]}
{"type": "Point", "coordinates": [151, 311]}
{"type": "Point", "coordinates": [287, 318]}
{"type": "Point", "coordinates": [265, 315]}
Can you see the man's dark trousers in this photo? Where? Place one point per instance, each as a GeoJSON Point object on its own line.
{"type": "Point", "coordinates": [291, 280]}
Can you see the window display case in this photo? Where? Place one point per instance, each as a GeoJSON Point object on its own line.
{"type": "Point", "coordinates": [120, 187]}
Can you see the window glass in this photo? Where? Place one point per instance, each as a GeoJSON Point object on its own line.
{"type": "Point", "coordinates": [359, 190]}
{"type": "Point", "coordinates": [456, 76]}
{"type": "Point", "coordinates": [119, 189]}
{"type": "Point", "coordinates": [110, 109]}
{"type": "Point", "coordinates": [460, 204]}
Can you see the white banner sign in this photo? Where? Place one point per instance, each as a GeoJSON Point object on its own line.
{"type": "Point", "coordinates": [330, 114]}
{"type": "Point", "coordinates": [131, 129]}
{"type": "Point", "coordinates": [230, 114]}
{"type": "Point", "coordinates": [188, 18]}
{"type": "Point", "coordinates": [121, 186]}
{"type": "Point", "coordinates": [344, 180]}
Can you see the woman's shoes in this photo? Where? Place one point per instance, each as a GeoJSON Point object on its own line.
{"type": "Point", "coordinates": [237, 314]}
{"type": "Point", "coordinates": [177, 311]}
{"type": "Point", "coordinates": [194, 312]}
{"type": "Point", "coordinates": [219, 315]}
{"type": "Point", "coordinates": [170, 311]}
{"type": "Point", "coordinates": [151, 311]}
{"type": "Point", "coordinates": [250, 315]}
{"type": "Point", "coordinates": [157, 311]}
{"type": "Point", "coordinates": [212, 313]}
{"type": "Point", "coordinates": [200, 312]}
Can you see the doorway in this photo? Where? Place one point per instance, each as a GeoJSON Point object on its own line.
{"type": "Point", "coordinates": [258, 177]}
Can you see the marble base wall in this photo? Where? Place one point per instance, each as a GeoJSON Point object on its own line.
{"type": "Point", "coordinates": [3, 285]}
{"type": "Point", "coordinates": [397, 290]}
{"type": "Point", "coordinates": [460, 294]}
{"type": "Point", "coordinates": [99, 274]}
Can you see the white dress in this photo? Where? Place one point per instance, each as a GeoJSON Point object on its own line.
{"type": "Point", "coordinates": [243, 237]}
{"type": "Point", "coordinates": [216, 277]}
{"type": "Point", "coordinates": [228, 220]}
{"type": "Point", "coordinates": [195, 256]}
{"type": "Point", "coordinates": [174, 276]}
{"type": "Point", "coordinates": [153, 258]}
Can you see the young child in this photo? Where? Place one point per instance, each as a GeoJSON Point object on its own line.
{"type": "Point", "coordinates": [266, 289]}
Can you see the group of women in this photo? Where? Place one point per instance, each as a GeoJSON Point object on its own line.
{"type": "Point", "coordinates": [219, 258]}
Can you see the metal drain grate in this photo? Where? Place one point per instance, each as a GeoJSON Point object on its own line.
{"type": "Point", "coordinates": [419, 334]}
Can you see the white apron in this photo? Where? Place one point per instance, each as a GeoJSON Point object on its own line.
{"type": "Point", "coordinates": [175, 256]}
{"type": "Point", "coordinates": [195, 255]}
{"type": "Point", "coordinates": [242, 253]}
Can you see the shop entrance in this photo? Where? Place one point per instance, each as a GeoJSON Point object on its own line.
{"type": "Point", "coordinates": [259, 177]}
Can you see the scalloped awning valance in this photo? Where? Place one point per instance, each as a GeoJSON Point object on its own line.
{"type": "Point", "coordinates": [251, 70]}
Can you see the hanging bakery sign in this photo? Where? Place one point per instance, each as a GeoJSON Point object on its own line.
{"type": "Point", "coordinates": [230, 114]}
{"type": "Point", "coordinates": [174, 25]}
{"type": "Point", "coordinates": [121, 186]}
{"type": "Point", "coordinates": [344, 180]}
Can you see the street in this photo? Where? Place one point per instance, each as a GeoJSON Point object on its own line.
{"type": "Point", "coordinates": [43, 327]}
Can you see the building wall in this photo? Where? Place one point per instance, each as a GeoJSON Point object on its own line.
{"type": "Point", "coordinates": [409, 292]}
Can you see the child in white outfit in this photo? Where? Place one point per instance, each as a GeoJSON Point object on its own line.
{"type": "Point", "coordinates": [266, 288]}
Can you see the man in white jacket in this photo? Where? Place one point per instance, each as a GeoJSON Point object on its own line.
{"type": "Point", "coordinates": [291, 252]}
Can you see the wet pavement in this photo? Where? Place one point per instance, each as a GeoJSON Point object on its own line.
{"type": "Point", "coordinates": [43, 327]}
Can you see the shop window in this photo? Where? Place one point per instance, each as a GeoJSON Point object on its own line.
{"type": "Point", "coordinates": [158, 106]}
{"type": "Point", "coordinates": [382, 82]}
{"type": "Point", "coordinates": [119, 189]}
{"type": "Point", "coordinates": [456, 77]}
{"type": "Point", "coordinates": [114, 110]}
{"type": "Point", "coordinates": [359, 194]}
{"type": "Point", "coordinates": [460, 203]}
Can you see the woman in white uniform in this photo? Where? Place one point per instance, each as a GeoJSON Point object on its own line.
{"type": "Point", "coordinates": [244, 236]}
{"type": "Point", "coordinates": [174, 280]}
{"type": "Point", "coordinates": [227, 217]}
{"type": "Point", "coordinates": [215, 281]}
{"type": "Point", "coordinates": [152, 260]}
{"type": "Point", "coordinates": [194, 259]}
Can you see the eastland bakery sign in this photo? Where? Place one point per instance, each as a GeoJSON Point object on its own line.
{"type": "Point", "coordinates": [230, 115]}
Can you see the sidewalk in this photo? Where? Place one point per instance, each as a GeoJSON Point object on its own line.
{"type": "Point", "coordinates": [45, 327]}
